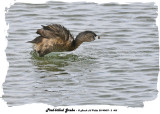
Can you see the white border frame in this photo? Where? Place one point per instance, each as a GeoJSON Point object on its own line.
{"type": "Point", "coordinates": [149, 106]}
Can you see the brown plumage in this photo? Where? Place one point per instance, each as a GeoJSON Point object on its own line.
{"type": "Point", "coordinates": [56, 38]}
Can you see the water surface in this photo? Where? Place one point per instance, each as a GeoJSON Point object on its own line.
{"type": "Point", "coordinates": [119, 69]}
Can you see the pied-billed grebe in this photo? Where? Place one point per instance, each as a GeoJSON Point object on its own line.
{"type": "Point", "coordinates": [56, 38]}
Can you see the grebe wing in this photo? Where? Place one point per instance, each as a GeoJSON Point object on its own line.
{"type": "Point", "coordinates": [55, 31]}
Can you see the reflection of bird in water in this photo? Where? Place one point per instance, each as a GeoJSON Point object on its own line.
{"type": "Point", "coordinates": [56, 38]}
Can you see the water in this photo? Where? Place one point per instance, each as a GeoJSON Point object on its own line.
{"type": "Point", "coordinates": [119, 69]}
